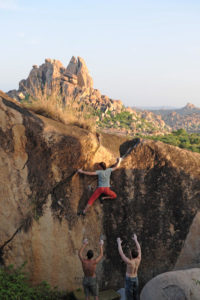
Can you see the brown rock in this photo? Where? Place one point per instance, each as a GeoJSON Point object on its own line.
{"type": "Point", "coordinates": [97, 93]}
{"type": "Point", "coordinates": [72, 67]}
{"type": "Point", "coordinates": [78, 67]}
{"type": "Point", "coordinates": [130, 110]}
{"type": "Point", "coordinates": [117, 104]}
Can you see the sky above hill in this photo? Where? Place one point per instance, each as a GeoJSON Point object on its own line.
{"type": "Point", "coordinates": [145, 53]}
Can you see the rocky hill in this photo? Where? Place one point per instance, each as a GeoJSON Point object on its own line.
{"type": "Point", "coordinates": [73, 83]}
{"type": "Point", "coordinates": [75, 86]}
{"type": "Point", "coordinates": [158, 188]}
{"type": "Point", "coordinates": [187, 118]}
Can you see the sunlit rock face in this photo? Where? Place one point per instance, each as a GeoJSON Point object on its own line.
{"type": "Point", "coordinates": [158, 188]}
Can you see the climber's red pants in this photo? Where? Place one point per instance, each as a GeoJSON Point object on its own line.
{"type": "Point", "coordinates": [102, 190]}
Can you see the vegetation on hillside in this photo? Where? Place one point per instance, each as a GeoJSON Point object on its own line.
{"type": "Point", "coordinates": [125, 119]}
{"type": "Point", "coordinates": [180, 138]}
{"type": "Point", "coordinates": [54, 108]}
{"type": "Point", "coordinates": [88, 118]}
{"type": "Point", "coordinates": [14, 285]}
{"type": "Point", "coordinates": [85, 116]}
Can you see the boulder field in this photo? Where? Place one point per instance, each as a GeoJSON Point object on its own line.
{"type": "Point", "coordinates": [158, 188]}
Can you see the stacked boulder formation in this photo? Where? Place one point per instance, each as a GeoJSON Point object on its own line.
{"type": "Point", "coordinates": [74, 86]}
{"type": "Point", "coordinates": [73, 83]}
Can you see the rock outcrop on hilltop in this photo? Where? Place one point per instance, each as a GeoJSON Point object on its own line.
{"type": "Point", "coordinates": [158, 188]}
{"type": "Point", "coordinates": [73, 83]}
{"type": "Point", "coordinates": [75, 86]}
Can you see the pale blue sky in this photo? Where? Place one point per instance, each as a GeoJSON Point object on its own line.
{"type": "Point", "coordinates": [144, 52]}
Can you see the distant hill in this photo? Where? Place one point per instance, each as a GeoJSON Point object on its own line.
{"type": "Point", "coordinates": [187, 117]}
{"type": "Point", "coordinates": [187, 109]}
{"type": "Point", "coordinates": [152, 108]}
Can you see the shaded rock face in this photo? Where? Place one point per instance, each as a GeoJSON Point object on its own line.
{"type": "Point", "coordinates": [158, 189]}
{"type": "Point", "coordinates": [191, 245]}
{"type": "Point", "coordinates": [177, 285]}
{"type": "Point", "coordinates": [158, 199]}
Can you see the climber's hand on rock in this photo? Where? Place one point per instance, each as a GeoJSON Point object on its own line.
{"type": "Point", "coordinates": [119, 159]}
{"type": "Point", "coordinates": [101, 242]}
{"type": "Point", "coordinates": [85, 241]}
{"type": "Point", "coordinates": [80, 170]}
{"type": "Point", "coordinates": [119, 241]}
{"type": "Point", "coordinates": [134, 237]}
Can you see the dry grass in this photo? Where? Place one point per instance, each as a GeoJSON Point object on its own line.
{"type": "Point", "coordinates": [53, 107]}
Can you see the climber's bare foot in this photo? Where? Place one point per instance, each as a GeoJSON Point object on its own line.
{"type": "Point", "coordinates": [104, 198]}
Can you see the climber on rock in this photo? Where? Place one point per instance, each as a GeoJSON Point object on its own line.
{"type": "Point", "coordinates": [89, 265]}
{"type": "Point", "coordinates": [103, 184]}
{"type": "Point", "coordinates": [131, 281]}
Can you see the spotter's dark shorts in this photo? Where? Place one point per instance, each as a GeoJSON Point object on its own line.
{"type": "Point", "coordinates": [90, 286]}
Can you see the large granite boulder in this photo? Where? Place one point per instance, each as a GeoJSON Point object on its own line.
{"type": "Point", "coordinates": [158, 188]}
{"type": "Point", "coordinates": [177, 285]}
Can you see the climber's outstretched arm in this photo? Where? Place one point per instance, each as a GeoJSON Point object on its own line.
{"type": "Point", "coordinates": [137, 245]}
{"type": "Point", "coordinates": [86, 173]}
{"type": "Point", "coordinates": [123, 256]}
{"type": "Point", "coordinates": [80, 252]}
{"type": "Point", "coordinates": [101, 252]}
{"type": "Point", "coordinates": [117, 164]}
